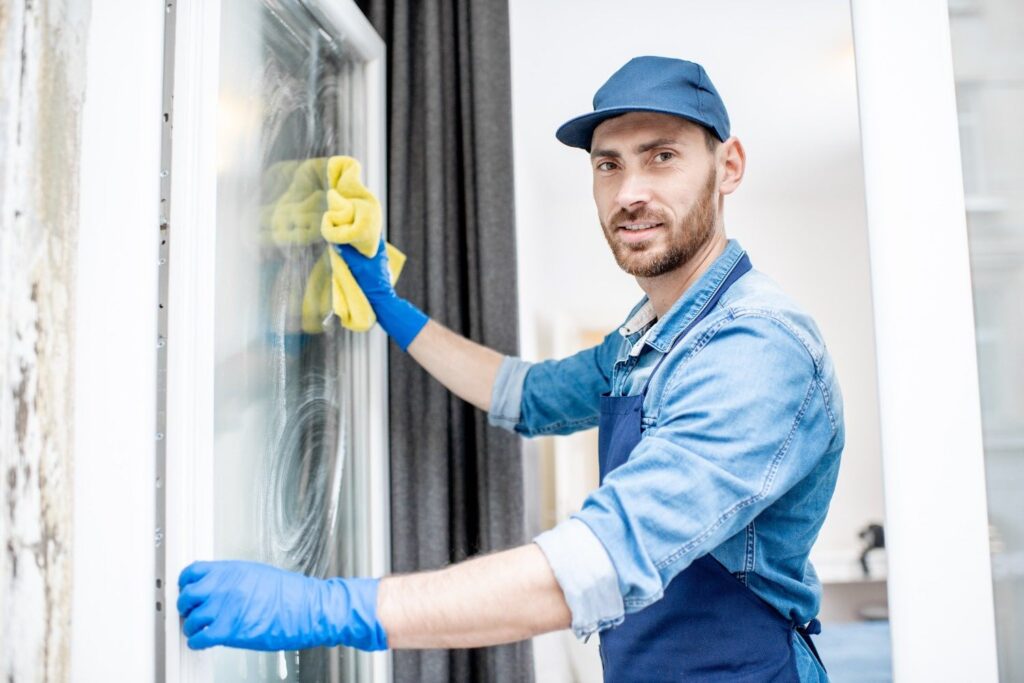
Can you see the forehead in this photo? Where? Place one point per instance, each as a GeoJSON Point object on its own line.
{"type": "Point", "coordinates": [640, 125]}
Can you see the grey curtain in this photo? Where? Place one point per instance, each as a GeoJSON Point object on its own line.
{"type": "Point", "coordinates": [456, 483]}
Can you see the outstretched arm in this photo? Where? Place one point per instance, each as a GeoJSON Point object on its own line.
{"type": "Point", "coordinates": [499, 598]}
{"type": "Point", "coordinates": [494, 599]}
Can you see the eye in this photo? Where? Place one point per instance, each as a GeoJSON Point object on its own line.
{"type": "Point", "coordinates": [606, 166]}
{"type": "Point", "coordinates": [664, 156]}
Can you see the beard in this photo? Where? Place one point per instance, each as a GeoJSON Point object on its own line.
{"type": "Point", "coordinates": [685, 239]}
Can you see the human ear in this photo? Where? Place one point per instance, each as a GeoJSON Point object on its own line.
{"type": "Point", "coordinates": [731, 160]}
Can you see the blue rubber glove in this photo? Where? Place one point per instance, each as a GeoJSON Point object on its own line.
{"type": "Point", "coordinates": [399, 318]}
{"type": "Point", "coordinates": [260, 607]}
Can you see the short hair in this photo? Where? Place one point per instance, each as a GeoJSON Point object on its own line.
{"type": "Point", "coordinates": [710, 139]}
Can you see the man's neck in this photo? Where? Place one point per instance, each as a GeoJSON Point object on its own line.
{"type": "Point", "coordinates": [664, 290]}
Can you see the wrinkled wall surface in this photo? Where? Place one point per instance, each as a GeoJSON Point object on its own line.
{"type": "Point", "coordinates": [42, 57]}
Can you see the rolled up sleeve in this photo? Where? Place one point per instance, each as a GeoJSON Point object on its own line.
{"type": "Point", "coordinates": [553, 396]}
{"type": "Point", "coordinates": [507, 394]}
{"type": "Point", "coordinates": [586, 575]}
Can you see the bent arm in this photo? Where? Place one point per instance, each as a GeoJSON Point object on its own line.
{"type": "Point", "coordinates": [489, 600]}
{"type": "Point", "coordinates": [471, 371]}
{"type": "Point", "coordinates": [465, 368]}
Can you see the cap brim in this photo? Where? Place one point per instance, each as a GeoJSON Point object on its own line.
{"type": "Point", "coordinates": [579, 132]}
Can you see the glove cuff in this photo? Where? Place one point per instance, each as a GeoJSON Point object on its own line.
{"type": "Point", "coordinates": [400, 319]}
{"type": "Point", "coordinates": [351, 611]}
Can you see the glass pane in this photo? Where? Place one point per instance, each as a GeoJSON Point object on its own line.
{"type": "Point", "coordinates": [289, 96]}
{"type": "Point", "coordinates": [988, 59]}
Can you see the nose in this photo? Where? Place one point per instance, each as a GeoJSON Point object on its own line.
{"type": "Point", "coordinates": [634, 192]}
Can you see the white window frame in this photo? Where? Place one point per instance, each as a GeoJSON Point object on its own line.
{"type": "Point", "coordinates": [190, 360]}
{"type": "Point", "coordinates": [940, 580]}
{"type": "Point", "coordinates": [115, 346]}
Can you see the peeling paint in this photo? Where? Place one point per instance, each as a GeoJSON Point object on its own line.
{"type": "Point", "coordinates": [42, 58]}
{"type": "Point", "coordinates": [21, 408]}
{"type": "Point", "coordinates": [23, 63]}
{"type": "Point", "coordinates": [12, 492]}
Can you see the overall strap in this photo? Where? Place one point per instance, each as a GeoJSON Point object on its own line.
{"type": "Point", "coordinates": [813, 627]}
{"type": "Point", "coordinates": [738, 270]}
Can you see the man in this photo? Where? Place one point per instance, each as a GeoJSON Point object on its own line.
{"type": "Point", "coordinates": [720, 436]}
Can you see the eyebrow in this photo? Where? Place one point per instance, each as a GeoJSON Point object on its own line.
{"type": "Point", "coordinates": [640, 149]}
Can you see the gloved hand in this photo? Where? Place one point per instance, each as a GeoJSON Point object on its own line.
{"type": "Point", "coordinates": [260, 607]}
{"type": "Point", "coordinates": [399, 318]}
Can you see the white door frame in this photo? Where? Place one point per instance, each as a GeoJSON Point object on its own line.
{"type": "Point", "coordinates": [940, 585]}
{"type": "Point", "coordinates": [195, 34]}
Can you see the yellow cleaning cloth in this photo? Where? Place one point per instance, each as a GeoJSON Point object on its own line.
{"type": "Point", "coordinates": [353, 217]}
{"type": "Point", "coordinates": [326, 199]}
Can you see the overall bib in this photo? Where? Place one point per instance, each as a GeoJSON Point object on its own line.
{"type": "Point", "coordinates": [708, 626]}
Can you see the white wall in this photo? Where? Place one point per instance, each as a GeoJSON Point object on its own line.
{"type": "Point", "coordinates": [786, 73]}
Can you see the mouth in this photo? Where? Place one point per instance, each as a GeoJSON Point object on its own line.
{"type": "Point", "coordinates": [637, 231]}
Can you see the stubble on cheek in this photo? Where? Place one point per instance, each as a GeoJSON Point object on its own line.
{"type": "Point", "coordinates": [684, 240]}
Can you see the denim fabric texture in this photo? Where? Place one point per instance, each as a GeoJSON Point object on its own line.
{"type": "Point", "coordinates": [742, 437]}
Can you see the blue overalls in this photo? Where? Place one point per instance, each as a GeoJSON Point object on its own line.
{"type": "Point", "coordinates": [708, 626]}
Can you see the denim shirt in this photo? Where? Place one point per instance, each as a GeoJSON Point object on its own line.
{"type": "Point", "coordinates": [742, 433]}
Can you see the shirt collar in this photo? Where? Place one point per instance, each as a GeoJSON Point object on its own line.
{"type": "Point", "coordinates": [686, 308]}
{"type": "Point", "coordinates": [642, 316]}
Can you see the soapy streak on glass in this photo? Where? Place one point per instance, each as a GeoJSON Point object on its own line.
{"type": "Point", "coordinates": [283, 397]}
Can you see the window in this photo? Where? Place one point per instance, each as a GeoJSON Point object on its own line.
{"type": "Point", "coordinates": [287, 412]}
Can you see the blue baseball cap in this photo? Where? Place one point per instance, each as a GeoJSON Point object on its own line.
{"type": "Point", "coordinates": [658, 84]}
